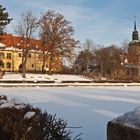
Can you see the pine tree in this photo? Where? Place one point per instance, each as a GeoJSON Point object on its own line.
{"type": "Point", "coordinates": [4, 19]}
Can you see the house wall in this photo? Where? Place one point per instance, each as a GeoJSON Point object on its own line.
{"type": "Point", "coordinates": [12, 59]}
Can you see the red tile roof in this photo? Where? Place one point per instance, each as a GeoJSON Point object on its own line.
{"type": "Point", "coordinates": [15, 41]}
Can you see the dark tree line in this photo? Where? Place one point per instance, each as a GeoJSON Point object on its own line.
{"type": "Point", "coordinates": [112, 62]}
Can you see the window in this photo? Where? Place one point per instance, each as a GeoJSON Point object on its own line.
{"type": "Point", "coordinates": [1, 64]}
{"type": "Point", "coordinates": [8, 65]}
{"type": "Point", "coordinates": [30, 56]}
{"type": "Point", "coordinates": [40, 56]}
{"type": "Point", "coordinates": [8, 55]}
{"type": "Point", "coordinates": [32, 65]}
{"type": "Point", "coordinates": [1, 55]}
{"type": "Point", "coordinates": [19, 55]}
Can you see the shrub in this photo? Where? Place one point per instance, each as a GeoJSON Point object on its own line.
{"type": "Point", "coordinates": [23, 122]}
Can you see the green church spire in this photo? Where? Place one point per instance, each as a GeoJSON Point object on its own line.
{"type": "Point", "coordinates": [135, 35]}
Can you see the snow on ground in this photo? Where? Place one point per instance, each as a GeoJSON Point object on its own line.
{"type": "Point", "coordinates": [54, 77]}
{"type": "Point", "coordinates": [90, 108]}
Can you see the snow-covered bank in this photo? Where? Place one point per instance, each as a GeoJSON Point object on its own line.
{"type": "Point", "coordinates": [56, 80]}
{"type": "Point", "coordinates": [45, 77]}
{"type": "Point", "coordinates": [72, 84]}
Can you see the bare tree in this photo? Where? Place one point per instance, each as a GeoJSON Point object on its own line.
{"type": "Point", "coordinates": [89, 52]}
{"type": "Point", "coordinates": [133, 57]}
{"type": "Point", "coordinates": [82, 62]}
{"type": "Point", "coordinates": [57, 33]}
{"type": "Point", "coordinates": [85, 58]}
{"type": "Point", "coordinates": [25, 29]}
{"type": "Point", "coordinates": [45, 52]}
{"type": "Point", "coordinates": [109, 61]}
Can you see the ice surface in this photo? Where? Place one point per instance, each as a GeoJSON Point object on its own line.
{"type": "Point", "coordinates": [90, 108]}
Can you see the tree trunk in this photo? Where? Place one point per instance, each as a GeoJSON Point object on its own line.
{"type": "Point", "coordinates": [50, 64]}
{"type": "Point", "coordinates": [24, 70]}
{"type": "Point", "coordinates": [24, 60]}
{"type": "Point", "coordinates": [44, 61]}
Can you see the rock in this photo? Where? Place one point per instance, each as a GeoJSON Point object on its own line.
{"type": "Point", "coordinates": [116, 131]}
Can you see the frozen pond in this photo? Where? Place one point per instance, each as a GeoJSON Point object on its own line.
{"type": "Point", "coordinates": [90, 108]}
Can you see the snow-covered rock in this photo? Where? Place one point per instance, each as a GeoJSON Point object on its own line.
{"type": "Point", "coordinates": [125, 127]}
{"type": "Point", "coordinates": [130, 119]}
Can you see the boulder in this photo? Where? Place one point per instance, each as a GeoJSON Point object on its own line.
{"type": "Point", "coordinates": [126, 127]}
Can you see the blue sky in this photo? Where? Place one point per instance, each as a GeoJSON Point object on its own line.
{"type": "Point", "coordinates": [105, 22]}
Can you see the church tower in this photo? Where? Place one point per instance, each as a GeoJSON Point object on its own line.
{"type": "Point", "coordinates": [135, 35]}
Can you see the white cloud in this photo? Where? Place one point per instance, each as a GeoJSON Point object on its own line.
{"type": "Point", "coordinates": [103, 25]}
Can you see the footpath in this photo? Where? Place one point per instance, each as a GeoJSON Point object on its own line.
{"type": "Point", "coordinates": [69, 85]}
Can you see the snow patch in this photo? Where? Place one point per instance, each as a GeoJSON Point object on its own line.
{"type": "Point", "coordinates": [29, 115]}
{"type": "Point", "coordinates": [2, 45]}
{"type": "Point", "coordinates": [37, 77]}
{"type": "Point", "coordinates": [20, 106]}
{"type": "Point", "coordinates": [7, 105]}
{"type": "Point", "coordinates": [2, 101]}
{"type": "Point", "coordinates": [11, 104]}
{"type": "Point", "coordinates": [29, 128]}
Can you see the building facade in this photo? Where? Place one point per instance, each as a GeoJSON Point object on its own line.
{"type": "Point", "coordinates": [11, 56]}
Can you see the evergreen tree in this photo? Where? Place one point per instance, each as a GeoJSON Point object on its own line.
{"type": "Point", "coordinates": [4, 19]}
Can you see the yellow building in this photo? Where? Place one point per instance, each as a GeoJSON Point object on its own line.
{"type": "Point", "coordinates": [11, 56]}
